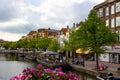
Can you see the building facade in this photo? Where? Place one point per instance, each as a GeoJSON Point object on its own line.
{"type": "Point", "coordinates": [63, 35]}
{"type": "Point", "coordinates": [31, 34]}
{"type": "Point", "coordinates": [110, 12]}
{"type": "Point", "coordinates": [48, 32]}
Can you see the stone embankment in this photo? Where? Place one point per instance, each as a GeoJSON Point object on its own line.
{"type": "Point", "coordinates": [90, 68]}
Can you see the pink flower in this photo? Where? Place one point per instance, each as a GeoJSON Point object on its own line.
{"type": "Point", "coordinates": [72, 76]}
{"type": "Point", "coordinates": [53, 74]}
{"type": "Point", "coordinates": [48, 70]}
{"type": "Point", "coordinates": [74, 79]}
{"type": "Point", "coordinates": [22, 76]}
{"type": "Point", "coordinates": [29, 76]}
{"type": "Point", "coordinates": [31, 70]}
{"type": "Point", "coordinates": [15, 78]}
{"type": "Point", "coordinates": [58, 69]}
{"type": "Point", "coordinates": [39, 73]}
{"type": "Point", "coordinates": [39, 66]}
{"type": "Point", "coordinates": [61, 74]}
{"type": "Point", "coordinates": [24, 70]}
{"type": "Point", "coordinates": [51, 79]}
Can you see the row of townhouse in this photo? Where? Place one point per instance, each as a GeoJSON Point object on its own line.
{"type": "Point", "coordinates": [59, 35]}
{"type": "Point", "coordinates": [110, 12]}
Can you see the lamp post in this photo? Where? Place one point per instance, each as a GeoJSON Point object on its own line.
{"type": "Point", "coordinates": [83, 62]}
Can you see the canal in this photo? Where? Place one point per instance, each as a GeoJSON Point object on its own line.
{"type": "Point", "coordinates": [10, 66]}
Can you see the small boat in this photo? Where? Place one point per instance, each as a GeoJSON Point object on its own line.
{"type": "Point", "coordinates": [31, 58]}
{"type": "Point", "coordinates": [109, 77]}
{"type": "Point", "coordinates": [64, 65]}
{"type": "Point", "coordinates": [22, 56]}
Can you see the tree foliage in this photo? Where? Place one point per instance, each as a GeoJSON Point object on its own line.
{"type": "Point", "coordinates": [54, 46]}
{"type": "Point", "coordinates": [72, 43]}
{"type": "Point", "coordinates": [93, 34]}
{"type": "Point", "coordinates": [29, 43]}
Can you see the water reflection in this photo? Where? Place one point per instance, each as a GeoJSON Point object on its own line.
{"type": "Point", "coordinates": [9, 67]}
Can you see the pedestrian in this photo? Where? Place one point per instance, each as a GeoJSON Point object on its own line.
{"type": "Point", "coordinates": [101, 66]}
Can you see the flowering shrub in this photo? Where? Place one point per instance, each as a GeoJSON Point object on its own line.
{"type": "Point", "coordinates": [44, 74]}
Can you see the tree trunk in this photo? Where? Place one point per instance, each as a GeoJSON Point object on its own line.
{"type": "Point", "coordinates": [97, 65]}
{"type": "Point", "coordinates": [83, 56]}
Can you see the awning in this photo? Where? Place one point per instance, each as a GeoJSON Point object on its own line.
{"type": "Point", "coordinates": [80, 51]}
{"type": "Point", "coordinates": [50, 52]}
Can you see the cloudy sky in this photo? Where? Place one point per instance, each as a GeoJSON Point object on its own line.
{"type": "Point", "coordinates": [18, 17]}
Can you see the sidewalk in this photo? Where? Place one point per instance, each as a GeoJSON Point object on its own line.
{"type": "Point", "coordinates": [90, 68]}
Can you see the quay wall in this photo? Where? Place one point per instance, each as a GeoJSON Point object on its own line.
{"type": "Point", "coordinates": [86, 70]}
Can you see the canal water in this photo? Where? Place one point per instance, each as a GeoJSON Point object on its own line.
{"type": "Point", "coordinates": [10, 66]}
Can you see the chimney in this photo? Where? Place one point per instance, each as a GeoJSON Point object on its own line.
{"type": "Point", "coordinates": [67, 27]}
{"type": "Point", "coordinates": [48, 28]}
{"type": "Point", "coordinates": [73, 25]}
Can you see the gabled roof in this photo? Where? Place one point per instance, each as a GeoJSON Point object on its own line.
{"type": "Point", "coordinates": [31, 32]}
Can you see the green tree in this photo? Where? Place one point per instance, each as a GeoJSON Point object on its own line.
{"type": "Point", "coordinates": [7, 44]}
{"type": "Point", "coordinates": [72, 43]}
{"type": "Point", "coordinates": [44, 42]}
{"type": "Point", "coordinates": [93, 34]}
{"type": "Point", "coordinates": [54, 46]}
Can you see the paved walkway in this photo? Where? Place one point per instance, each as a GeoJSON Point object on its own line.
{"type": "Point", "coordinates": [112, 67]}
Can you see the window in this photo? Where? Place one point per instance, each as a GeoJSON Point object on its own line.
{"type": "Point", "coordinates": [118, 7]}
{"type": "Point", "coordinates": [98, 14]}
{"type": "Point", "coordinates": [107, 11]}
{"type": "Point", "coordinates": [107, 22]}
{"type": "Point", "coordinates": [118, 21]}
{"type": "Point", "coordinates": [112, 9]}
{"type": "Point", "coordinates": [118, 32]}
{"type": "Point", "coordinates": [112, 23]}
{"type": "Point", "coordinates": [101, 12]}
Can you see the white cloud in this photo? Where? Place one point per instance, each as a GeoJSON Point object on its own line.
{"type": "Point", "coordinates": [21, 16]}
{"type": "Point", "coordinates": [97, 1]}
{"type": "Point", "coordinates": [10, 36]}
{"type": "Point", "coordinates": [14, 22]}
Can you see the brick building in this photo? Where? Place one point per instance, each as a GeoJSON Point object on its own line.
{"type": "Point", "coordinates": [31, 34]}
{"type": "Point", "coordinates": [43, 32]}
{"type": "Point", "coordinates": [110, 12]}
{"type": "Point", "coordinates": [48, 32]}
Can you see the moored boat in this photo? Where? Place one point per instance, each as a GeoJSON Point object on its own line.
{"type": "Point", "coordinates": [108, 77]}
{"type": "Point", "coordinates": [64, 65]}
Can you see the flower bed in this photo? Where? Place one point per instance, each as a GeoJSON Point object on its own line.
{"type": "Point", "coordinates": [40, 73]}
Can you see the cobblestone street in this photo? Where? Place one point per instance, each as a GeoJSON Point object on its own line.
{"type": "Point", "coordinates": [90, 65]}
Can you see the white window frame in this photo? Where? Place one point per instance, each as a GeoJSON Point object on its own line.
{"type": "Point", "coordinates": [107, 22]}
{"type": "Point", "coordinates": [118, 7]}
{"type": "Point", "coordinates": [118, 21]}
{"type": "Point", "coordinates": [101, 12]}
{"type": "Point", "coordinates": [118, 32]}
{"type": "Point", "coordinates": [107, 11]}
{"type": "Point", "coordinates": [112, 23]}
{"type": "Point", "coordinates": [112, 9]}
